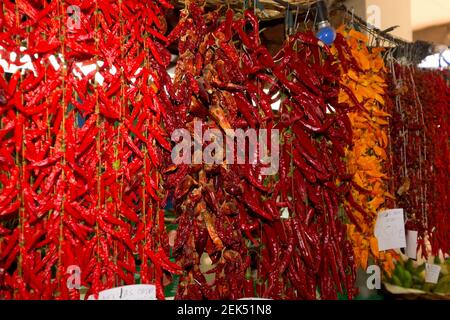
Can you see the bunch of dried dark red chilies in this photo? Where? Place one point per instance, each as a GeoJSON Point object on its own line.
{"type": "Point", "coordinates": [80, 155]}
{"type": "Point", "coordinates": [217, 203]}
{"type": "Point", "coordinates": [434, 95]}
{"type": "Point", "coordinates": [420, 153]}
{"type": "Point", "coordinates": [230, 213]}
{"type": "Point", "coordinates": [313, 180]}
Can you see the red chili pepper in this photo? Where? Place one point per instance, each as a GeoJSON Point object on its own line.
{"type": "Point", "coordinates": [255, 207]}
{"type": "Point", "coordinates": [263, 57]}
{"type": "Point", "coordinates": [245, 108]}
{"type": "Point", "coordinates": [303, 245]}
{"type": "Point", "coordinates": [238, 25]}
{"type": "Point", "coordinates": [177, 31]}
{"type": "Point", "coordinates": [308, 172]}
{"type": "Point", "coordinates": [9, 190]}
{"type": "Point", "coordinates": [274, 249]}
{"type": "Point", "coordinates": [287, 255]}
{"type": "Point", "coordinates": [160, 258]}
{"type": "Point", "coordinates": [264, 99]}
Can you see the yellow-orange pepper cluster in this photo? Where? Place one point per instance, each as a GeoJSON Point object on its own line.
{"type": "Point", "coordinates": [367, 158]}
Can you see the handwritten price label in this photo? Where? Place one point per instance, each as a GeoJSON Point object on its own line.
{"type": "Point", "coordinates": [432, 273]}
{"type": "Point", "coordinates": [132, 292]}
{"type": "Point", "coordinates": [390, 229]}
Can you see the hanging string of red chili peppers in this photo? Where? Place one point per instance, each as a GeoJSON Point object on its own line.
{"type": "Point", "coordinates": [314, 183]}
{"type": "Point", "coordinates": [434, 94]}
{"type": "Point", "coordinates": [212, 200]}
{"type": "Point", "coordinates": [80, 155]}
{"type": "Point", "coordinates": [419, 135]}
{"type": "Point", "coordinates": [85, 166]}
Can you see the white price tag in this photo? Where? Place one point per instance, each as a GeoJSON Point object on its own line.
{"type": "Point", "coordinates": [284, 213]}
{"type": "Point", "coordinates": [411, 244]}
{"type": "Point", "coordinates": [132, 292]}
{"type": "Point", "coordinates": [432, 273]}
{"type": "Point", "coordinates": [390, 229]}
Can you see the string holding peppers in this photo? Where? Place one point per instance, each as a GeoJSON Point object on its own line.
{"type": "Point", "coordinates": [419, 134]}
{"type": "Point", "coordinates": [434, 95]}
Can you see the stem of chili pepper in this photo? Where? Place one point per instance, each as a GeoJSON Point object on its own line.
{"type": "Point", "coordinates": [144, 183]}
{"type": "Point", "coordinates": [391, 160]}
{"type": "Point", "coordinates": [28, 28]}
{"type": "Point", "coordinates": [98, 137]}
{"type": "Point", "coordinates": [155, 219]}
{"type": "Point", "coordinates": [63, 67]}
{"type": "Point", "coordinates": [404, 133]}
{"type": "Point", "coordinates": [257, 275]}
{"type": "Point", "coordinates": [118, 135]}
{"type": "Point", "coordinates": [422, 185]}
{"type": "Point", "coordinates": [144, 212]}
{"type": "Point", "coordinates": [21, 170]}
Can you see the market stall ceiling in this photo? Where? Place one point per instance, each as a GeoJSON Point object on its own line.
{"type": "Point", "coordinates": [428, 13]}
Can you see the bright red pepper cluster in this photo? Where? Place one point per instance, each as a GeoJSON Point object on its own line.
{"type": "Point", "coordinates": [420, 152]}
{"type": "Point", "coordinates": [79, 166]}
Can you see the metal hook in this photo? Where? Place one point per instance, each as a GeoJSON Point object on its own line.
{"type": "Point", "coordinates": [445, 60]}
{"type": "Point", "coordinates": [399, 54]}
{"type": "Point", "coordinates": [395, 54]}
{"type": "Point", "coordinates": [408, 48]}
{"type": "Point", "coordinates": [353, 16]}
{"type": "Point", "coordinates": [286, 17]}
{"type": "Point", "coordinates": [346, 19]}
{"type": "Point", "coordinates": [287, 22]}
{"type": "Point", "coordinates": [369, 38]}
{"type": "Point", "coordinates": [386, 54]}
{"type": "Point", "coordinates": [306, 17]}
{"type": "Point", "coordinates": [296, 19]}
{"type": "Point", "coordinates": [315, 19]}
{"type": "Point", "coordinates": [406, 54]}
{"type": "Point", "coordinates": [409, 55]}
{"type": "Point", "coordinates": [390, 54]}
